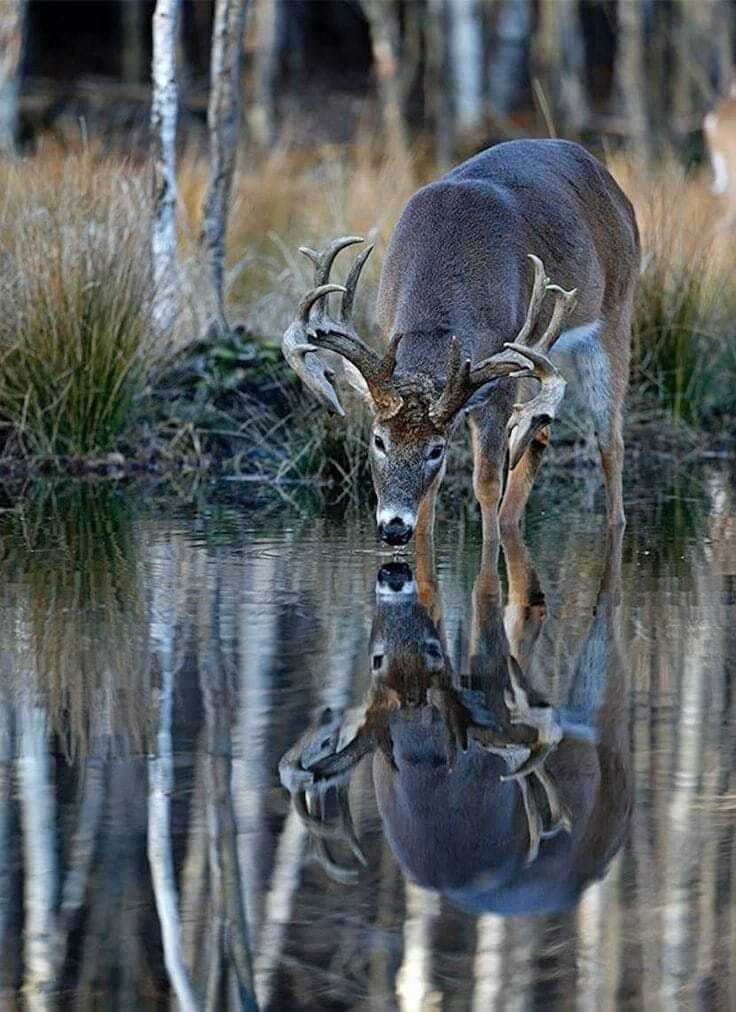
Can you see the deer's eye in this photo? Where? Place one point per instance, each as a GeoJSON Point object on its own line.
{"type": "Point", "coordinates": [379, 444]}
{"type": "Point", "coordinates": [436, 452]}
{"type": "Point", "coordinates": [377, 661]}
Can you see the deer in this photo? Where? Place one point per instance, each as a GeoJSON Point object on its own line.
{"type": "Point", "coordinates": [487, 792]}
{"type": "Point", "coordinates": [719, 130]}
{"type": "Point", "coordinates": [471, 321]}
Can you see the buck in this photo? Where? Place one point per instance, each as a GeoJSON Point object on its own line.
{"type": "Point", "coordinates": [468, 313]}
{"type": "Point", "coordinates": [719, 129]}
{"type": "Point", "coordinates": [486, 792]}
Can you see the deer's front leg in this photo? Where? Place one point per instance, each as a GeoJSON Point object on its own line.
{"type": "Point", "coordinates": [489, 438]}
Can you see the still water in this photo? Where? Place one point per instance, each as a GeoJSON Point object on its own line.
{"type": "Point", "coordinates": [249, 760]}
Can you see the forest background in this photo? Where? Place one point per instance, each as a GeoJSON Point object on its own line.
{"type": "Point", "coordinates": [140, 322]}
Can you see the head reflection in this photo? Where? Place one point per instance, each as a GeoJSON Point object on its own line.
{"type": "Point", "coordinates": [487, 792]}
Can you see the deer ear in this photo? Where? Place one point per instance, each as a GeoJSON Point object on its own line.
{"type": "Point", "coordinates": [355, 379]}
{"type": "Point", "coordinates": [478, 399]}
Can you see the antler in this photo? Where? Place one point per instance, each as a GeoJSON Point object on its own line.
{"type": "Point", "coordinates": [517, 360]}
{"type": "Point", "coordinates": [314, 331]}
{"type": "Point", "coordinates": [526, 755]}
{"type": "Point", "coordinates": [323, 758]}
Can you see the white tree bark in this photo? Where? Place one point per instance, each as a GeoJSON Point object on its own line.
{"type": "Point", "coordinates": [160, 787]}
{"type": "Point", "coordinates": [223, 121]}
{"type": "Point", "coordinates": [466, 44]}
{"type": "Point", "coordinates": [163, 130]}
{"type": "Point", "coordinates": [11, 48]}
{"type": "Point", "coordinates": [38, 819]}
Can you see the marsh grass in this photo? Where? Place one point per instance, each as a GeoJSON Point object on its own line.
{"type": "Point", "coordinates": [82, 371]}
{"type": "Point", "coordinates": [76, 344]}
{"type": "Point", "coordinates": [684, 335]}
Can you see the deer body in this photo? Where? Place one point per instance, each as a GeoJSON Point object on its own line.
{"type": "Point", "coordinates": [456, 290]}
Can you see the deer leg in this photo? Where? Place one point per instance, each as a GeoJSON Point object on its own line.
{"type": "Point", "coordinates": [426, 511]}
{"type": "Point", "coordinates": [521, 482]}
{"type": "Point", "coordinates": [488, 450]}
{"type": "Point", "coordinates": [601, 379]}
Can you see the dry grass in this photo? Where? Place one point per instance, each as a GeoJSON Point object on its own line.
{"type": "Point", "coordinates": [77, 349]}
{"type": "Point", "coordinates": [76, 343]}
{"type": "Point", "coordinates": [685, 320]}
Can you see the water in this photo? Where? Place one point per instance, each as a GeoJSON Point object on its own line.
{"type": "Point", "coordinates": [160, 657]}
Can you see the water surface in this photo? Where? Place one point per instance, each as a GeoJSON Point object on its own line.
{"type": "Point", "coordinates": [160, 658]}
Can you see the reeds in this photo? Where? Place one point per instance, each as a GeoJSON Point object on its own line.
{"type": "Point", "coordinates": [77, 350]}
{"type": "Point", "coordinates": [76, 343]}
{"type": "Point", "coordinates": [684, 339]}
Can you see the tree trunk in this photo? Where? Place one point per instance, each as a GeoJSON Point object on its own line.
{"type": "Point", "coordinates": [384, 28]}
{"type": "Point", "coordinates": [133, 29]}
{"type": "Point", "coordinates": [466, 47]}
{"type": "Point", "coordinates": [508, 76]}
{"type": "Point", "coordinates": [163, 129]}
{"type": "Point", "coordinates": [272, 33]}
{"type": "Point", "coordinates": [437, 83]}
{"type": "Point", "coordinates": [572, 98]}
{"type": "Point", "coordinates": [630, 76]}
{"type": "Point", "coordinates": [723, 32]}
{"type": "Point", "coordinates": [223, 121]}
{"type": "Point", "coordinates": [11, 49]}
{"type": "Point", "coordinates": [160, 789]}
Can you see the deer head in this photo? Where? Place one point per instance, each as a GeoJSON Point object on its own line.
{"type": "Point", "coordinates": [414, 416]}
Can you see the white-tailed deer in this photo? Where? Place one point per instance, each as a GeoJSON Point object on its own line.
{"type": "Point", "coordinates": [486, 792]}
{"type": "Point", "coordinates": [719, 129]}
{"type": "Point", "coordinates": [465, 316]}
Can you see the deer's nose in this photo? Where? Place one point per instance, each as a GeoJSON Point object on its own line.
{"type": "Point", "coordinates": [395, 532]}
{"type": "Point", "coordinates": [395, 578]}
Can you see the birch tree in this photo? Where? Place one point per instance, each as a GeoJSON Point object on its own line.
{"type": "Point", "coordinates": [11, 48]}
{"type": "Point", "coordinates": [466, 44]}
{"type": "Point", "coordinates": [223, 121]}
{"type": "Point", "coordinates": [163, 130]}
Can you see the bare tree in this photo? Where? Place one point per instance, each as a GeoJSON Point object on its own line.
{"type": "Point", "coordinates": [466, 47]}
{"type": "Point", "coordinates": [383, 20]}
{"type": "Point", "coordinates": [630, 75]}
{"type": "Point", "coordinates": [223, 121]}
{"type": "Point", "coordinates": [163, 129]}
{"type": "Point", "coordinates": [11, 48]}
{"type": "Point", "coordinates": [437, 82]}
{"type": "Point", "coordinates": [271, 28]}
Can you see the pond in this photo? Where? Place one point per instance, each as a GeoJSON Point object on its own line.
{"type": "Point", "coordinates": [246, 756]}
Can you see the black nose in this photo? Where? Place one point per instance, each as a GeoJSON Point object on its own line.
{"type": "Point", "coordinates": [395, 532]}
{"type": "Point", "coordinates": [394, 576]}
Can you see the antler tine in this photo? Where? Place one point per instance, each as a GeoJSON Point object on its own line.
{"type": "Point", "coordinates": [463, 381]}
{"type": "Point", "coordinates": [540, 285]}
{"type": "Point", "coordinates": [305, 306]}
{"type": "Point", "coordinates": [324, 258]}
{"type": "Point", "coordinates": [346, 308]}
{"type": "Point", "coordinates": [307, 336]}
{"type": "Point", "coordinates": [565, 303]}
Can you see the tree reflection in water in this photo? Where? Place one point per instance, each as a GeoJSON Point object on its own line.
{"type": "Point", "coordinates": [156, 666]}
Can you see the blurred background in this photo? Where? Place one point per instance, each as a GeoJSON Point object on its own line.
{"type": "Point", "coordinates": [297, 121]}
{"type": "Point", "coordinates": [461, 73]}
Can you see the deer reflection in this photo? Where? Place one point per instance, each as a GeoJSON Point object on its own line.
{"type": "Point", "coordinates": [487, 792]}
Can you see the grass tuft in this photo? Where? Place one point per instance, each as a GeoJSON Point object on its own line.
{"type": "Point", "coordinates": [684, 351]}
{"type": "Point", "coordinates": [76, 343]}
